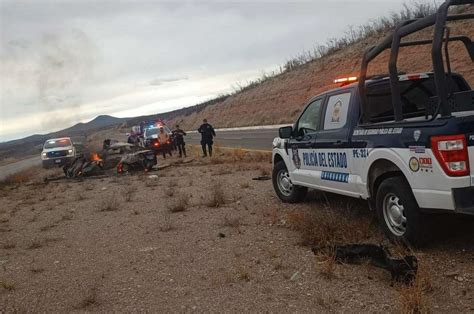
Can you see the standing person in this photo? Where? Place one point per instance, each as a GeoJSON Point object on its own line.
{"type": "Point", "coordinates": [179, 140]}
{"type": "Point", "coordinates": [164, 140]}
{"type": "Point", "coordinates": [207, 134]}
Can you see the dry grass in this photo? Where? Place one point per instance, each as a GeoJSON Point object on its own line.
{"type": "Point", "coordinates": [413, 298]}
{"type": "Point", "coordinates": [66, 217]}
{"type": "Point", "coordinates": [233, 222]}
{"type": "Point", "coordinates": [23, 176]}
{"type": "Point", "coordinates": [238, 154]}
{"type": "Point", "coordinates": [4, 219]}
{"type": "Point", "coordinates": [8, 245]}
{"type": "Point", "coordinates": [180, 204]}
{"type": "Point", "coordinates": [108, 203]}
{"type": "Point", "coordinates": [327, 264]}
{"type": "Point", "coordinates": [152, 182]}
{"type": "Point", "coordinates": [36, 270]}
{"type": "Point", "coordinates": [35, 244]}
{"type": "Point", "coordinates": [328, 227]}
{"type": "Point", "coordinates": [261, 156]}
{"type": "Point", "coordinates": [217, 196]}
{"type": "Point", "coordinates": [222, 171]}
{"type": "Point", "coordinates": [7, 285]}
{"type": "Point", "coordinates": [167, 224]}
{"type": "Point", "coordinates": [48, 227]}
{"type": "Point", "coordinates": [89, 300]}
{"type": "Point", "coordinates": [169, 191]}
{"type": "Point", "coordinates": [264, 171]}
{"type": "Point", "coordinates": [79, 196]}
{"type": "Point", "coordinates": [244, 185]}
{"type": "Point", "coordinates": [128, 192]}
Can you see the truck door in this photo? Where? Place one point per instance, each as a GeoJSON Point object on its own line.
{"type": "Point", "coordinates": [322, 156]}
{"type": "Point", "coordinates": [306, 129]}
{"type": "Point", "coordinates": [335, 150]}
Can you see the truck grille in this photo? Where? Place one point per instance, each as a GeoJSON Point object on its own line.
{"type": "Point", "coordinates": [58, 153]}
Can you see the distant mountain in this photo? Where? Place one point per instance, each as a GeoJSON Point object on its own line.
{"type": "Point", "coordinates": [100, 122]}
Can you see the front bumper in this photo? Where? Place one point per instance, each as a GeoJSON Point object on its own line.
{"type": "Point", "coordinates": [464, 200]}
{"type": "Point", "coordinates": [56, 162]}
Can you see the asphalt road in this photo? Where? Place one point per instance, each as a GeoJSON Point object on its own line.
{"type": "Point", "coordinates": [19, 166]}
{"type": "Point", "coordinates": [258, 139]}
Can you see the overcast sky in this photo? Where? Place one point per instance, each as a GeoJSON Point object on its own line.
{"type": "Point", "coordinates": [62, 62]}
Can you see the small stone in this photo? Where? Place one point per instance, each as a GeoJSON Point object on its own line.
{"type": "Point", "coordinates": [295, 276]}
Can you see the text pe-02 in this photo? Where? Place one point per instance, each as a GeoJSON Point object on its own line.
{"type": "Point", "coordinates": [404, 142]}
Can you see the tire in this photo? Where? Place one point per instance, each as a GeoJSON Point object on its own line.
{"type": "Point", "coordinates": [398, 213]}
{"type": "Point", "coordinates": [283, 186]}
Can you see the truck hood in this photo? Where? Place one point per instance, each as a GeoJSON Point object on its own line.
{"type": "Point", "coordinates": [55, 149]}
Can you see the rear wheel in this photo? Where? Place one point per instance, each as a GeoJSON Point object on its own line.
{"type": "Point", "coordinates": [284, 187]}
{"type": "Point", "coordinates": [398, 212]}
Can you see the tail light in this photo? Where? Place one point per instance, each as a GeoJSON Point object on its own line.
{"type": "Point", "coordinates": [120, 168]}
{"type": "Point", "coordinates": [451, 153]}
{"type": "Point", "coordinates": [156, 144]}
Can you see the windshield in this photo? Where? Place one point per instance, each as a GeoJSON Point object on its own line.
{"type": "Point", "coordinates": [154, 131]}
{"type": "Point", "coordinates": [57, 143]}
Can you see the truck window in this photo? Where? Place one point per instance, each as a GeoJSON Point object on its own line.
{"type": "Point", "coordinates": [57, 143]}
{"type": "Point", "coordinates": [336, 111]}
{"type": "Point", "coordinates": [415, 95]}
{"type": "Point", "coordinates": [310, 119]}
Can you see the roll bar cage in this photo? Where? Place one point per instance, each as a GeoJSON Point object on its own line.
{"type": "Point", "coordinates": [393, 41]}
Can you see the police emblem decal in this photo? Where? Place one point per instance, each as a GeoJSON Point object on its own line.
{"type": "Point", "coordinates": [296, 157]}
{"type": "Point", "coordinates": [414, 164]}
{"type": "Point", "coordinates": [416, 135]}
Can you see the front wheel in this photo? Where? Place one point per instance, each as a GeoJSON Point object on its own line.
{"type": "Point", "coordinates": [284, 188]}
{"type": "Point", "coordinates": [398, 212]}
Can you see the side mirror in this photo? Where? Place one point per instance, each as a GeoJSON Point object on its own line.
{"type": "Point", "coordinates": [285, 132]}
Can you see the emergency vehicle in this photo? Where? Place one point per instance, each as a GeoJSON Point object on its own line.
{"type": "Point", "coordinates": [404, 142]}
{"type": "Point", "coordinates": [151, 131]}
{"type": "Point", "coordinates": [58, 152]}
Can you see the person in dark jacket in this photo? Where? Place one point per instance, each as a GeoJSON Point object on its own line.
{"type": "Point", "coordinates": [207, 134]}
{"type": "Point", "coordinates": [178, 135]}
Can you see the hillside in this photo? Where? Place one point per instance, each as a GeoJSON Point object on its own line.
{"type": "Point", "coordinates": [280, 99]}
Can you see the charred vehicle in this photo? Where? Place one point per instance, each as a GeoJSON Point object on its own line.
{"type": "Point", "coordinates": [140, 160]}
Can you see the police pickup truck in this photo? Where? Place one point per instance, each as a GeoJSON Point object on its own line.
{"type": "Point", "coordinates": [403, 142]}
{"type": "Point", "coordinates": [58, 152]}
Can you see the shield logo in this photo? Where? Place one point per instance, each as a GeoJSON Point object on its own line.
{"type": "Point", "coordinates": [416, 135]}
{"type": "Point", "coordinates": [296, 157]}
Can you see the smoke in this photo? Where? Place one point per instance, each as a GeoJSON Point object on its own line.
{"type": "Point", "coordinates": [52, 73]}
{"type": "Point", "coordinates": [66, 65]}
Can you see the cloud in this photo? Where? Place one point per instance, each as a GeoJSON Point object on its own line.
{"type": "Point", "coordinates": [61, 62]}
{"type": "Point", "coordinates": [160, 81]}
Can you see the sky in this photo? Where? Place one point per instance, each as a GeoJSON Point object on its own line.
{"type": "Point", "coordinates": [63, 62]}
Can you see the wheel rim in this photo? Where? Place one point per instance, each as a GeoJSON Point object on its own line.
{"type": "Point", "coordinates": [394, 214]}
{"type": "Point", "coordinates": [284, 182]}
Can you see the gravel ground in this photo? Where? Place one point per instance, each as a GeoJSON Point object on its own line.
{"type": "Point", "coordinates": [174, 243]}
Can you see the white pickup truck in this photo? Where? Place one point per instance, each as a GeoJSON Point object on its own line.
{"type": "Point", "coordinates": [58, 152]}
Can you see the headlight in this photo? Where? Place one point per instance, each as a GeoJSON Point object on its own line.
{"type": "Point", "coordinates": [43, 154]}
{"type": "Point", "coordinates": [69, 151]}
{"type": "Point", "coordinates": [278, 142]}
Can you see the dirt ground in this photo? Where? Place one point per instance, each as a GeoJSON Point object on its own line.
{"type": "Point", "coordinates": [203, 236]}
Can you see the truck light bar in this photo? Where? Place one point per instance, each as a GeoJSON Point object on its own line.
{"type": "Point", "coordinates": [345, 80]}
{"type": "Point", "coordinates": [413, 77]}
